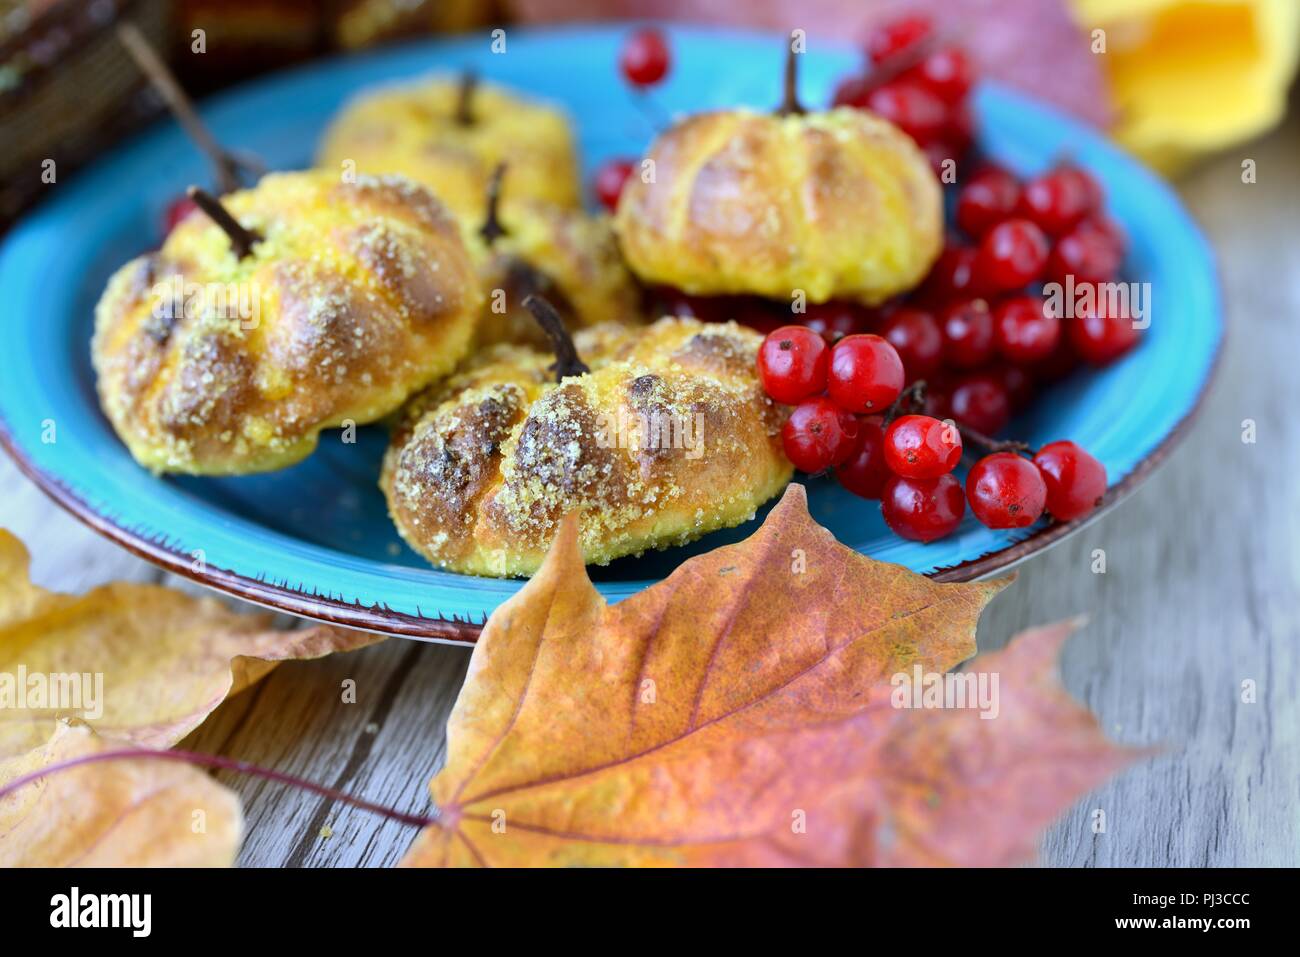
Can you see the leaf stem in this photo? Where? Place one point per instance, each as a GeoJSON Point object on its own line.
{"type": "Point", "coordinates": [222, 764]}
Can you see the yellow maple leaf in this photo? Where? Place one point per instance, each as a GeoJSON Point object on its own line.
{"type": "Point", "coordinates": [130, 812]}
{"type": "Point", "coordinates": [142, 664]}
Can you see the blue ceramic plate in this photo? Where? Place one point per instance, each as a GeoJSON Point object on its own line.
{"type": "Point", "coordinates": [315, 539]}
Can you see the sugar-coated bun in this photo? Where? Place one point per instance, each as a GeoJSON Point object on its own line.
{"type": "Point", "coordinates": [359, 294]}
{"type": "Point", "coordinates": [412, 129]}
{"type": "Point", "coordinates": [577, 258]}
{"type": "Point", "coordinates": [839, 204]}
{"type": "Point", "coordinates": [668, 437]}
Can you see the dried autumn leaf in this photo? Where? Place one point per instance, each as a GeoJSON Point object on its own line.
{"type": "Point", "coordinates": [167, 659]}
{"type": "Point", "coordinates": [739, 713]}
{"type": "Point", "coordinates": [119, 813]}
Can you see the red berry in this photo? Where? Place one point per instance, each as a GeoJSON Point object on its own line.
{"type": "Point", "coordinates": [916, 335]}
{"type": "Point", "coordinates": [1100, 333]}
{"type": "Point", "coordinates": [893, 38]}
{"type": "Point", "coordinates": [1059, 364]}
{"type": "Point", "coordinates": [1018, 383]}
{"type": "Point", "coordinates": [980, 400]}
{"type": "Point", "coordinates": [865, 375]}
{"type": "Point", "coordinates": [1058, 199]}
{"type": "Point", "coordinates": [967, 329]}
{"type": "Point", "coordinates": [818, 435]}
{"type": "Point", "coordinates": [946, 72]}
{"type": "Point", "coordinates": [792, 364]}
{"type": "Point", "coordinates": [1025, 329]}
{"type": "Point", "coordinates": [1090, 252]}
{"type": "Point", "coordinates": [1076, 482]}
{"type": "Point", "coordinates": [952, 276]}
{"type": "Point", "coordinates": [177, 210]}
{"type": "Point", "coordinates": [912, 108]}
{"type": "Point", "coordinates": [1011, 255]}
{"type": "Point", "coordinates": [835, 320]}
{"type": "Point", "coordinates": [921, 447]}
{"type": "Point", "coordinates": [1096, 195]}
{"type": "Point", "coordinates": [938, 400]}
{"type": "Point", "coordinates": [1006, 491]}
{"type": "Point", "coordinates": [1108, 227]}
{"type": "Point", "coordinates": [853, 91]}
{"type": "Point", "coordinates": [961, 124]}
{"type": "Point", "coordinates": [940, 152]}
{"type": "Point", "coordinates": [922, 509]}
{"type": "Point", "coordinates": [989, 197]}
{"type": "Point", "coordinates": [864, 472]}
{"type": "Point", "coordinates": [610, 178]}
{"type": "Point", "coordinates": [760, 320]}
{"type": "Point", "coordinates": [644, 59]}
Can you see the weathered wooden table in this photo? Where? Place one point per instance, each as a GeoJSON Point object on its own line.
{"type": "Point", "coordinates": [1201, 591]}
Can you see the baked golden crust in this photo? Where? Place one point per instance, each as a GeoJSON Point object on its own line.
{"type": "Point", "coordinates": [571, 258]}
{"type": "Point", "coordinates": [411, 129]}
{"type": "Point", "coordinates": [358, 295]}
{"type": "Point", "coordinates": [667, 438]}
{"type": "Point", "coordinates": [840, 204]}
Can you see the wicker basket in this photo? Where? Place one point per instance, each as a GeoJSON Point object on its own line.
{"type": "Point", "coordinates": [67, 88]}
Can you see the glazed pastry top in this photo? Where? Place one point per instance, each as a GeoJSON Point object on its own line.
{"type": "Point", "coordinates": [413, 129]}
{"type": "Point", "coordinates": [357, 295]}
{"type": "Point", "coordinates": [839, 204]}
{"type": "Point", "coordinates": [485, 465]}
{"type": "Point", "coordinates": [572, 259]}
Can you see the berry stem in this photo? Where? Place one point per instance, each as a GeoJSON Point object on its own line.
{"type": "Point", "coordinates": [911, 399]}
{"type": "Point", "coordinates": [973, 437]}
{"type": "Point", "coordinates": [492, 230]}
{"type": "Point", "coordinates": [900, 63]}
{"type": "Point", "coordinates": [226, 166]}
{"type": "Point", "coordinates": [790, 105]}
{"type": "Point", "coordinates": [222, 764]}
{"type": "Point", "coordinates": [567, 362]}
{"type": "Point", "coordinates": [242, 240]}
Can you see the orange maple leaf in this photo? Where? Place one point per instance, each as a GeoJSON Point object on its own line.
{"type": "Point", "coordinates": [740, 713]}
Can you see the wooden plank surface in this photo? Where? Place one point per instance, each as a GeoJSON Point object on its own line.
{"type": "Point", "coordinates": [1200, 593]}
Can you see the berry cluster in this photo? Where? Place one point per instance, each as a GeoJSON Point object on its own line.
{"type": "Point", "coordinates": [918, 84]}
{"type": "Point", "coordinates": [981, 329]}
{"type": "Point", "coordinates": [850, 415]}
{"type": "Point", "coordinates": [886, 396]}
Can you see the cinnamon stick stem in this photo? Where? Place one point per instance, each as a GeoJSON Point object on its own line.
{"type": "Point", "coordinates": [242, 240]}
{"type": "Point", "coordinates": [567, 362]}
{"type": "Point", "coordinates": [225, 165]}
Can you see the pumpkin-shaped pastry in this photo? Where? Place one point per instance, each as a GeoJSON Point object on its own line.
{"type": "Point", "coordinates": [304, 303]}
{"type": "Point", "coordinates": [527, 247]}
{"type": "Point", "coordinates": [450, 135]}
{"type": "Point", "coordinates": [666, 437]}
{"type": "Point", "coordinates": [839, 204]}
